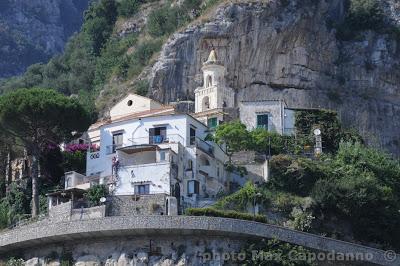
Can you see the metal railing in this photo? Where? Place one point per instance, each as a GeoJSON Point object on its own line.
{"type": "Point", "coordinates": [158, 139]}
{"type": "Point", "coordinates": [204, 146]}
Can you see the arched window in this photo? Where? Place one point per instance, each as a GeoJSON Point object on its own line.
{"type": "Point", "coordinates": [206, 103]}
{"type": "Point", "coordinates": [209, 81]}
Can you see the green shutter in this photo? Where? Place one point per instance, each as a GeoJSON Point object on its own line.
{"type": "Point", "coordinates": [212, 122]}
{"type": "Point", "coordinates": [262, 121]}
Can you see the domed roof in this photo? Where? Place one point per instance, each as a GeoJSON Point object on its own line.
{"type": "Point", "coordinates": [212, 58]}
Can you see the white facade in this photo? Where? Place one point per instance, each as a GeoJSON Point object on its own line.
{"type": "Point", "coordinates": [173, 159]}
{"type": "Point", "coordinates": [269, 114]}
{"type": "Point", "coordinates": [133, 103]}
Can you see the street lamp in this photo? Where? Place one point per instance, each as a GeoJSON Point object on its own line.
{"type": "Point", "coordinates": [257, 195]}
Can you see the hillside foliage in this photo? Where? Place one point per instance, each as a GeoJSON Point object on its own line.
{"type": "Point", "coordinates": [98, 53]}
{"type": "Point", "coordinates": [358, 186]}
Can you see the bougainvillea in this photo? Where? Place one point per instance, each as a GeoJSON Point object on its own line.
{"type": "Point", "coordinates": [72, 148]}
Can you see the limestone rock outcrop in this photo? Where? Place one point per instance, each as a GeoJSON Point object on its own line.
{"type": "Point", "coordinates": [88, 260]}
{"type": "Point", "coordinates": [289, 50]}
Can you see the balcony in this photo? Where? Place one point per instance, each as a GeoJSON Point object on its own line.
{"type": "Point", "coordinates": [205, 147]}
{"type": "Point", "coordinates": [158, 139]}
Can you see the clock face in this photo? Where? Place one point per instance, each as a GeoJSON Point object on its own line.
{"type": "Point", "coordinates": [317, 132]}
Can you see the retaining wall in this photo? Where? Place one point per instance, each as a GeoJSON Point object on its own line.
{"type": "Point", "coordinates": [173, 226]}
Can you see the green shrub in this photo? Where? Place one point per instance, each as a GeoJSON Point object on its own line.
{"type": "Point", "coordinates": [162, 21]}
{"type": "Point", "coordinates": [127, 8]}
{"type": "Point", "coordinates": [267, 142]}
{"type": "Point", "coordinates": [327, 121]}
{"type": "Point", "coordinates": [166, 20]}
{"type": "Point", "coordinates": [15, 262]}
{"type": "Point", "coordinates": [277, 252]}
{"type": "Point", "coordinates": [362, 15]}
{"type": "Point", "coordinates": [74, 161]}
{"type": "Point", "coordinates": [234, 135]}
{"type": "Point", "coordinates": [4, 214]}
{"type": "Point", "coordinates": [95, 193]}
{"type": "Point", "coordinates": [142, 87]}
{"type": "Point", "coordinates": [238, 200]}
{"type": "Point", "coordinates": [99, 23]}
{"type": "Point", "coordinates": [226, 214]}
{"type": "Point", "coordinates": [295, 175]}
{"type": "Point", "coordinates": [363, 186]}
{"type": "Point", "coordinates": [142, 55]}
{"type": "Point", "coordinates": [145, 51]}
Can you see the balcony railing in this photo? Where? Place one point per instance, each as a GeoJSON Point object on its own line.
{"type": "Point", "coordinates": [158, 139]}
{"type": "Point", "coordinates": [204, 146]}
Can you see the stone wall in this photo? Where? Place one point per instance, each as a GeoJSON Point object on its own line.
{"type": "Point", "coordinates": [31, 240]}
{"type": "Point", "coordinates": [145, 250]}
{"type": "Point", "coordinates": [88, 213]}
{"type": "Point", "coordinates": [61, 212]}
{"type": "Point", "coordinates": [137, 205]}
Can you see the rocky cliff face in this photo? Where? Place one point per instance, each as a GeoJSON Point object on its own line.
{"type": "Point", "coordinates": [32, 31]}
{"type": "Point", "coordinates": [288, 50]}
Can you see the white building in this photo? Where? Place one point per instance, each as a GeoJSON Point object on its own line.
{"type": "Point", "coordinates": [272, 115]}
{"type": "Point", "coordinates": [147, 148]}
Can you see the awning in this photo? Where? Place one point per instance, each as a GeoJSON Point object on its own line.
{"type": "Point", "coordinates": [138, 148]}
{"type": "Point", "coordinates": [67, 193]}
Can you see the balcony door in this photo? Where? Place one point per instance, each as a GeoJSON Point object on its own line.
{"type": "Point", "coordinates": [157, 135]}
{"type": "Point", "coordinates": [117, 141]}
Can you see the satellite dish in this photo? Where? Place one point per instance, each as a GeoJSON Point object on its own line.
{"type": "Point", "coordinates": [103, 199]}
{"type": "Point", "coordinates": [317, 132]}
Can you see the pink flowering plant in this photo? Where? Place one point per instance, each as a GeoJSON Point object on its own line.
{"type": "Point", "coordinates": [72, 148]}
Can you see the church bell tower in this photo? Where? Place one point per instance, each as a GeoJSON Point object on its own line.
{"type": "Point", "coordinates": [214, 96]}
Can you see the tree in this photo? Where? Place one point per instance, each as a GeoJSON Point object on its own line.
{"type": "Point", "coordinates": [95, 193]}
{"type": "Point", "coordinates": [268, 143]}
{"type": "Point", "coordinates": [363, 186]}
{"type": "Point", "coordinates": [234, 135]}
{"type": "Point", "coordinates": [327, 121]}
{"type": "Point", "coordinates": [40, 117]}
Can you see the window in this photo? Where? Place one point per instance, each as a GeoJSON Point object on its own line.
{"type": "Point", "coordinates": [193, 187]}
{"type": "Point", "coordinates": [142, 189]}
{"type": "Point", "coordinates": [68, 182]}
{"type": "Point", "coordinates": [212, 122]}
{"type": "Point", "coordinates": [162, 156]}
{"type": "Point", "coordinates": [192, 136]}
{"type": "Point", "coordinates": [209, 81]}
{"type": "Point", "coordinates": [206, 103]}
{"type": "Point", "coordinates": [190, 165]}
{"type": "Point", "coordinates": [157, 135]}
{"type": "Point", "coordinates": [262, 121]}
{"type": "Point", "coordinates": [117, 141]}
